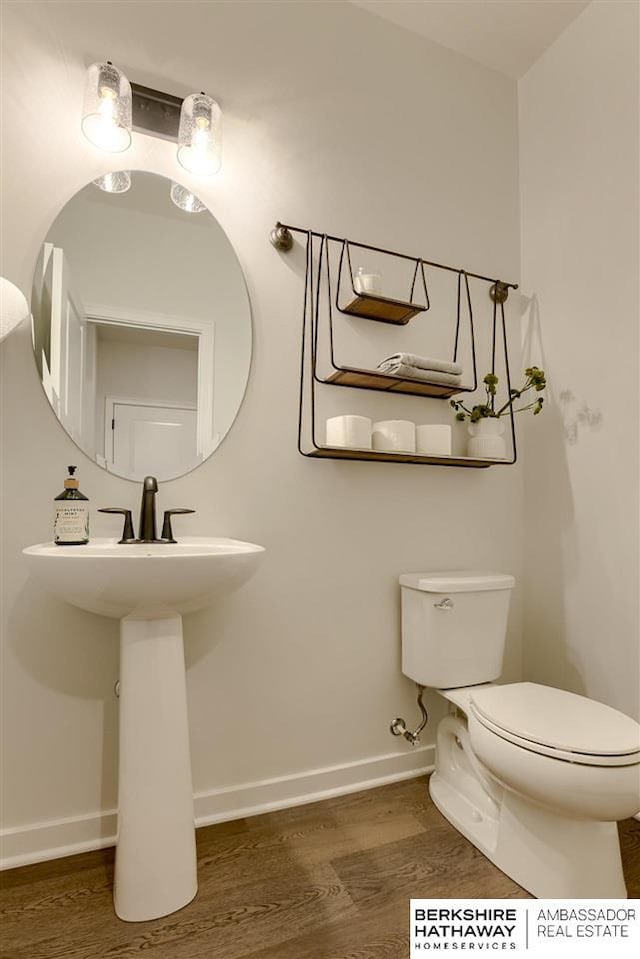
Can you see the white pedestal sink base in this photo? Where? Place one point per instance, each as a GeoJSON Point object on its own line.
{"type": "Point", "coordinates": [156, 852]}
{"type": "Point", "coordinates": [148, 587]}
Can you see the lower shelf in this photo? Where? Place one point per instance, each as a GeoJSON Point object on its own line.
{"type": "Point", "coordinates": [341, 453]}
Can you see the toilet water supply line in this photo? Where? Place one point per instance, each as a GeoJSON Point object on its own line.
{"type": "Point", "coordinates": [398, 727]}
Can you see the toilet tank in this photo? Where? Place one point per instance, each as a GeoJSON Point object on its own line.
{"type": "Point", "coordinates": [454, 626]}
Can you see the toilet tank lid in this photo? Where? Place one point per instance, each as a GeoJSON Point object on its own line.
{"type": "Point", "coordinates": [457, 581]}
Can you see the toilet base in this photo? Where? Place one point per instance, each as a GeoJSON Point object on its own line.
{"type": "Point", "coordinates": [551, 856]}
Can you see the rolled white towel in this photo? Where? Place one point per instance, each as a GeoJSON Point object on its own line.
{"type": "Point", "coordinates": [425, 376]}
{"type": "Point", "coordinates": [420, 362]}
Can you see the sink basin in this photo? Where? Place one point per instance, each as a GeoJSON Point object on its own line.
{"type": "Point", "coordinates": [148, 587]}
{"type": "Point", "coordinates": [145, 580]}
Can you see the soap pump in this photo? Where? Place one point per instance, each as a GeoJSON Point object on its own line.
{"type": "Point", "coordinates": [71, 524]}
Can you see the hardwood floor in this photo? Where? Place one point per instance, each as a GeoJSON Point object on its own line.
{"type": "Point", "coordinates": [330, 880]}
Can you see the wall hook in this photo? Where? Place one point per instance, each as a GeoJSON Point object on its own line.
{"type": "Point", "coordinates": [500, 291]}
{"type": "Point", "coordinates": [281, 238]}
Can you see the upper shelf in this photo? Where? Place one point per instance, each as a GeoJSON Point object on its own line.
{"type": "Point", "coordinates": [375, 380]}
{"type": "Point", "coordinates": [381, 308]}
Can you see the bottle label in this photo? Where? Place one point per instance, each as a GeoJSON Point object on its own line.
{"type": "Point", "coordinates": [71, 523]}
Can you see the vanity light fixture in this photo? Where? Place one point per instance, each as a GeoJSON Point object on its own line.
{"type": "Point", "coordinates": [113, 107]}
{"type": "Point", "coordinates": [119, 181]}
{"type": "Point", "coordinates": [106, 116]}
{"type": "Point", "coordinates": [200, 135]}
{"type": "Point", "coordinates": [186, 200]}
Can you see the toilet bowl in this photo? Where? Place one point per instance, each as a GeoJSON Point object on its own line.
{"type": "Point", "coordinates": [535, 777]}
{"type": "Point", "coordinates": [577, 756]}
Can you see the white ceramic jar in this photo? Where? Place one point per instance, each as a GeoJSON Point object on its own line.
{"type": "Point", "coordinates": [486, 440]}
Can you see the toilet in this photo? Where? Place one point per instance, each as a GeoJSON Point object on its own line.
{"type": "Point", "coordinates": [535, 777]}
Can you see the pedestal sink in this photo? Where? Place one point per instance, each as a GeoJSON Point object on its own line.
{"type": "Point", "coordinates": [148, 587]}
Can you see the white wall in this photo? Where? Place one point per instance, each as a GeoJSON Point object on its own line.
{"type": "Point", "coordinates": [335, 120]}
{"type": "Point", "coordinates": [579, 160]}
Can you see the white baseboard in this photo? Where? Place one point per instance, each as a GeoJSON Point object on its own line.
{"type": "Point", "coordinates": [37, 842]}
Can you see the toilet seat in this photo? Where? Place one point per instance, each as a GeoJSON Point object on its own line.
{"type": "Point", "coordinates": [556, 723]}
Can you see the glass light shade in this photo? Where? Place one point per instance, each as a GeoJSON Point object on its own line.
{"type": "Point", "coordinates": [200, 136]}
{"type": "Point", "coordinates": [13, 307]}
{"type": "Point", "coordinates": [186, 200]}
{"type": "Point", "coordinates": [106, 115]}
{"type": "Point", "coordinates": [118, 181]}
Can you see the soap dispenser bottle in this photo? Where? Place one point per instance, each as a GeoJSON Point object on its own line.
{"type": "Point", "coordinates": [71, 524]}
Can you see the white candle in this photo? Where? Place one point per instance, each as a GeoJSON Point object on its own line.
{"type": "Point", "coordinates": [367, 282]}
{"type": "Point", "coordinates": [433, 439]}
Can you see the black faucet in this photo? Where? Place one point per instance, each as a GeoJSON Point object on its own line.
{"type": "Point", "coordinates": [147, 532]}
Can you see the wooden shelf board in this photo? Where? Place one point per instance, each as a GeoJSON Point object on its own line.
{"type": "Point", "coordinates": [343, 453]}
{"type": "Point", "coordinates": [373, 380]}
{"type": "Point", "coordinates": [384, 310]}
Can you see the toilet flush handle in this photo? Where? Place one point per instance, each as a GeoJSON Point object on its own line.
{"type": "Point", "coordinates": [444, 604]}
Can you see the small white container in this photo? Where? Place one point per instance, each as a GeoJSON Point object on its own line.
{"type": "Point", "coordinates": [486, 439]}
{"type": "Point", "coordinates": [367, 282]}
{"type": "Point", "coordinates": [433, 439]}
{"type": "Point", "coordinates": [394, 436]}
{"type": "Point", "coordinates": [352, 432]}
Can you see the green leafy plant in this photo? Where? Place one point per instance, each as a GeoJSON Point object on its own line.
{"type": "Point", "coordinates": [535, 380]}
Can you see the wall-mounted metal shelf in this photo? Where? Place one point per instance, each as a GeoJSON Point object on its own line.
{"type": "Point", "coordinates": [358, 378]}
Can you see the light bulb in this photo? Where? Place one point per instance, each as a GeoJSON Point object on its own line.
{"type": "Point", "coordinates": [106, 117]}
{"type": "Point", "coordinates": [106, 108]}
{"type": "Point", "coordinates": [200, 136]}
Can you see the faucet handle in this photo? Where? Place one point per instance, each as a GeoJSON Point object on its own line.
{"type": "Point", "coordinates": [167, 532]}
{"type": "Point", "coordinates": [128, 535]}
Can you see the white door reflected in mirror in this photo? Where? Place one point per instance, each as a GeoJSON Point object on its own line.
{"type": "Point", "coordinates": [152, 439]}
{"type": "Point", "coordinates": [141, 329]}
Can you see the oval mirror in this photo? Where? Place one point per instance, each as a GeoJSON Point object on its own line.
{"type": "Point", "coordinates": [141, 326]}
